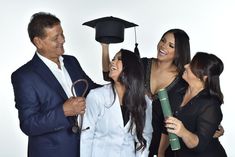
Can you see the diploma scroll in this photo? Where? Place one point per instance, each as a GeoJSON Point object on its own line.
{"type": "Point", "coordinates": [166, 109]}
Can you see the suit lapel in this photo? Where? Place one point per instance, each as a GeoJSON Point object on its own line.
{"type": "Point", "coordinates": [44, 72]}
{"type": "Point", "coordinates": [70, 70]}
{"type": "Point", "coordinates": [75, 73]}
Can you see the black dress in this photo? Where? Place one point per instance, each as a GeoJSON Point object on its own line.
{"type": "Point", "coordinates": [201, 116]}
{"type": "Point", "coordinates": [157, 116]}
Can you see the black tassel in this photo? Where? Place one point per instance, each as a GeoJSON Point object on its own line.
{"type": "Point", "coordinates": [136, 50]}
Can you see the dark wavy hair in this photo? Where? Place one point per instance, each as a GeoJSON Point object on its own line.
{"type": "Point", "coordinates": [205, 64]}
{"type": "Point", "coordinates": [182, 49]}
{"type": "Point", "coordinates": [132, 77]}
{"type": "Point", "coordinates": [38, 22]}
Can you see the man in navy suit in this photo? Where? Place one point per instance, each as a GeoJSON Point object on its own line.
{"type": "Point", "coordinates": [45, 103]}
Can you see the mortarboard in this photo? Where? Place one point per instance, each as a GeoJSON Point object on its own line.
{"type": "Point", "coordinates": [109, 29]}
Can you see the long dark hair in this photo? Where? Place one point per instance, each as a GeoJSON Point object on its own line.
{"type": "Point", "coordinates": [205, 64]}
{"type": "Point", "coordinates": [182, 49]}
{"type": "Point", "coordinates": [132, 77]}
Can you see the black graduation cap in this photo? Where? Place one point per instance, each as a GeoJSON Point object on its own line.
{"type": "Point", "coordinates": [109, 29]}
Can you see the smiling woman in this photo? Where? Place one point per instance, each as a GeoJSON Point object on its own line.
{"type": "Point", "coordinates": [124, 127]}
{"type": "Point", "coordinates": [199, 113]}
{"type": "Point", "coordinates": [116, 67]}
{"type": "Point", "coordinates": [165, 71]}
{"type": "Point", "coordinates": [173, 51]}
{"type": "Point", "coordinates": [210, 27]}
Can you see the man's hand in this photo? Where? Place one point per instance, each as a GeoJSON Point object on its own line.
{"type": "Point", "coordinates": [74, 106]}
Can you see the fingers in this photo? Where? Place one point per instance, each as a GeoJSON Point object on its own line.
{"type": "Point", "coordinates": [78, 105]}
{"type": "Point", "coordinates": [171, 120]}
{"type": "Point", "coordinates": [216, 134]}
{"type": "Point", "coordinates": [74, 106]}
{"type": "Point", "coordinates": [219, 132]}
{"type": "Point", "coordinates": [173, 125]}
{"type": "Point", "coordinates": [221, 129]}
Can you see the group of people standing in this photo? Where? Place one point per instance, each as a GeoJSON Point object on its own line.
{"type": "Point", "coordinates": [194, 93]}
{"type": "Point", "coordinates": [123, 117]}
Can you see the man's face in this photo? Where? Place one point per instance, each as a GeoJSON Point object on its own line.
{"type": "Point", "coordinates": [51, 45]}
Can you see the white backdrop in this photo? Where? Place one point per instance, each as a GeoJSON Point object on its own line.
{"type": "Point", "coordinates": [209, 23]}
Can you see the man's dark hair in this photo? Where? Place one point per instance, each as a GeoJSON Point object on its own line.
{"type": "Point", "coordinates": [39, 21]}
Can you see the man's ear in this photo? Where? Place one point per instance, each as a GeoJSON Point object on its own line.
{"type": "Point", "coordinates": [37, 42]}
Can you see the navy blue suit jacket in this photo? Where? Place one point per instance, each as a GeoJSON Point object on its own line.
{"type": "Point", "coordinates": [39, 99]}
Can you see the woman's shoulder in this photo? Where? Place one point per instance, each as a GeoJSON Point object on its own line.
{"type": "Point", "coordinates": [207, 104]}
{"type": "Point", "coordinates": [103, 90]}
{"type": "Point", "coordinates": [104, 93]}
{"type": "Point", "coordinates": [208, 99]}
{"type": "Point", "coordinates": [102, 96]}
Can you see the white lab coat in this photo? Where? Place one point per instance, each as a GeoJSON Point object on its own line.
{"type": "Point", "coordinates": [107, 136]}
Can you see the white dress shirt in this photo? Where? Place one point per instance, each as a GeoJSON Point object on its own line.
{"type": "Point", "coordinates": [61, 75]}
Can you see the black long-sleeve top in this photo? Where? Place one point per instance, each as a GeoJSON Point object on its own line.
{"type": "Point", "coordinates": [157, 116]}
{"type": "Point", "coordinates": [201, 116]}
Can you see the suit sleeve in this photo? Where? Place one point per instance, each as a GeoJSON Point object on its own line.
{"type": "Point", "coordinates": [33, 119]}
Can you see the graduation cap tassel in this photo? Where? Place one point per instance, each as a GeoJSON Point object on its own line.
{"type": "Point", "coordinates": [136, 50]}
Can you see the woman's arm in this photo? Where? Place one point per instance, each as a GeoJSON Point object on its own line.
{"type": "Point", "coordinates": [164, 143]}
{"type": "Point", "coordinates": [175, 126]}
{"type": "Point", "coordinates": [105, 61]}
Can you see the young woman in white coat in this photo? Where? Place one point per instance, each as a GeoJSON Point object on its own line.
{"type": "Point", "coordinates": [118, 114]}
